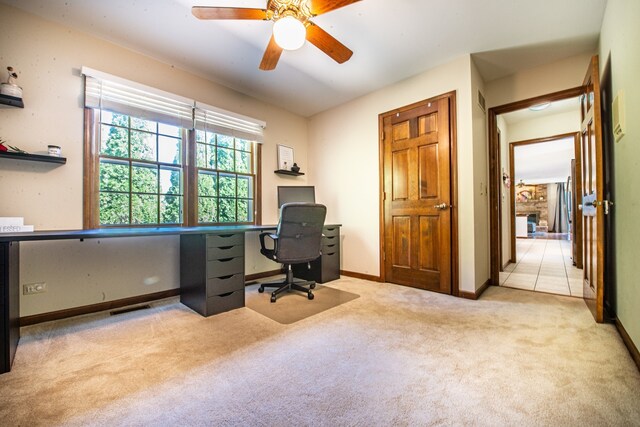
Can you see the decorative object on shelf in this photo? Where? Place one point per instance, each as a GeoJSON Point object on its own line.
{"type": "Point", "coordinates": [295, 168]}
{"type": "Point", "coordinates": [285, 157]}
{"type": "Point", "coordinates": [521, 184]}
{"type": "Point", "coordinates": [54, 150]}
{"type": "Point", "coordinates": [10, 88]}
{"type": "Point", "coordinates": [9, 148]}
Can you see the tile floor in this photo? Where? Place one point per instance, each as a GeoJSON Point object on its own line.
{"type": "Point", "coordinates": [544, 266]}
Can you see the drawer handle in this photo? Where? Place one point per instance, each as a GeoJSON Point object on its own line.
{"type": "Point", "coordinates": [226, 277]}
{"type": "Point", "coordinates": [225, 236]}
{"type": "Point", "coordinates": [330, 229]}
{"type": "Point", "coordinates": [225, 248]}
{"type": "Point", "coordinates": [225, 295]}
{"type": "Point", "coordinates": [330, 246]}
{"type": "Point", "coordinates": [331, 254]}
{"type": "Point", "coordinates": [225, 260]}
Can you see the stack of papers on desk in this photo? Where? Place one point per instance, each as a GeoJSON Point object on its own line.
{"type": "Point", "coordinates": [13, 225]}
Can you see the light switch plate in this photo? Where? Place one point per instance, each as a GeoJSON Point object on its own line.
{"type": "Point", "coordinates": [618, 113]}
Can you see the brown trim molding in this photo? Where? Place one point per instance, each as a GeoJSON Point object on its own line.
{"type": "Point", "coordinates": [361, 276]}
{"type": "Point", "coordinates": [478, 293]}
{"type": "Point", "coordinates": [261, 275]}
{"type": "Point", "coordinates": [633, 350]}
{"type": "Point", "coordinates": [94, 308]}
{"type": "Point", "coordinates": [495, 175]}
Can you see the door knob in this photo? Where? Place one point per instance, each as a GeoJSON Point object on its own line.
{"type": "Point", "coordinates": [441, 206]}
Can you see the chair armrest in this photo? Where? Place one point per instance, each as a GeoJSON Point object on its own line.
{"type": "Point", "coordinates": [272, 236]}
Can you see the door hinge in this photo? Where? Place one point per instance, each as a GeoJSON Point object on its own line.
{"type": "Point", "coordinates": [607, 204]}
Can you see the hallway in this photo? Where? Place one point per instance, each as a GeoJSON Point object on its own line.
{"type": "Point", "coordinates": [543, 266]}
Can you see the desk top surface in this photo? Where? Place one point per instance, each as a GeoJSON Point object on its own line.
{"type": "Point", "coordinates": [131, 232]}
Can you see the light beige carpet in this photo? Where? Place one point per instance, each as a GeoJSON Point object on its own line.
{"type": "Point", "coordinates": [396, 356]}
{"type": "Point", "coordinates": [295, 306]}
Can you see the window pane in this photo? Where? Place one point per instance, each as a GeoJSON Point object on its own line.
{"type": "Point", "coordinates": [227, 185]}
{"type": "Point", "coordinates": [244, 212]}
{"type": "Point", "coordinates": [169, 129]}
{"type": "Point", "coordinates": [243, 162]}
{"type": "Point", "coordinates": [114, 208]}
{"type": "Point", "coordinates": [169, 150]}
{"type": "Point", "coordinates": [114, 141]}
{"type": "Point", "coordinates": [244, 183]}
{"type": "Point", "coordinates": [201, 156]}
{"type": "Point", "coordinates": [144, 209]}
{"type": "Point", "coordinates": [225, 159]}
{"type": "Point", "coordinates": [143, 146]}
{"type": "Point", "coordinates": [200, 136]}
{"type": "Point", "coordinates": [114, 177]}
{"type": "Point", "coordinates": [114, 119]}
{"type": "Point", "coordinates": [227, 210]}
{"type": "Point", "coordinates": [243, 145]}
{"type": "Point", "coordinates": [144, 179]}
{"type": "Point", "coordinates": [207, 209]}
{"type": "Point", "coordinates": [142, 124]}
{"type": "Point", "coordinates": [207, 184]}
{"type": "Point", "coordinates": [170, 209]}
{"type": "Point", "coordinates": [211, 157]}
{"type": "Point", "coordinates": [225, 141]}
{"type": "Point", "coordinates": [211, 138]}
{"type": "Point", "coordinates": [170, 182]}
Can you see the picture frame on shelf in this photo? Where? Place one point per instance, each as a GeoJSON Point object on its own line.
{"type": "Point", "coordinates": [285, 157]}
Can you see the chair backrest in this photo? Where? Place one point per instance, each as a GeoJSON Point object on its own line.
{"type": "Point", "coordinates": [300, 232]}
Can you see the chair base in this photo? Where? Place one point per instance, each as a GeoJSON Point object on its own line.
{"type": "Point", "coordinates": [288, 284]}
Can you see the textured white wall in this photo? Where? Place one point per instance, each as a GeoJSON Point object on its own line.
{"type": "Point", "coordinates": [554, 124]}
{"type": "Point", "coordinates": [619, 40]}
{"type": "Point", "coordinates": [343, 148]}
{"type": "Point", "coordinates": [48, 57]}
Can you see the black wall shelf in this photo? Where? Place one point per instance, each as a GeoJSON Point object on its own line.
{"type": "Point", "coordinates": [11, 101]}
{"type": "Point", "coordinates": [286, 172]}
{"type": "Point", "coordinates": [33, 157]}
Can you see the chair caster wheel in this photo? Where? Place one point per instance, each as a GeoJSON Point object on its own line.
{"type": "Point", "coordinates": [261, 289]}
{"type": "Point", "coordinates": [312, 286]}
{"type": "Point", "coordinates": [273, 299]}
{"type": "Point", "coordinates": [310, 295]}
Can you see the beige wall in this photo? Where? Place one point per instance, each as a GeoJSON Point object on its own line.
{"type": "Point", "coordinates": [480, 180]}
{"type": "Point", "coordinates": [551, 125]}
{"type": "Point", "coordinates": [505, 192]}
{"type": "Point", "coordinates": [619, 40]}
{"type": "Point", "coordinates": [343, 148]}
{"type": "Point", "coordinates": [48, 57]}
{"type": "Point", "coordinates": [556, 76]}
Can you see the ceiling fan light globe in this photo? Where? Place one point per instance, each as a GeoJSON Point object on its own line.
{"type": "Point", "coordinates": [289, 33]}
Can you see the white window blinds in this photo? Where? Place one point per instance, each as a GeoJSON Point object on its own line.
{"type": "Point", "coordinates": [217, 120]}
{"type": "Point", "coordinates": [112, 93]}
{"type": "Point", "coordinates": [108, 92]}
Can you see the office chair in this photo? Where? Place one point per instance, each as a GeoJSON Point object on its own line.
{"type": "Point", "coordinates": [297, 240]}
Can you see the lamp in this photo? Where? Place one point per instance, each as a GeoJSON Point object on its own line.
{"type": "Point", "coordinates": [540, 107]}
{"type": "Point", "coordinates": [289, 33]}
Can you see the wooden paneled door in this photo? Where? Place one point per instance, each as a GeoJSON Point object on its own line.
{"type": "Point", "coordinates": [593, 209]}
{"type": "Point", "coordinates": [416, 144]}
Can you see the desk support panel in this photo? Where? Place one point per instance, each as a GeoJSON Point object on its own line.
{"type": "Point", "coordinates": [9, 303]}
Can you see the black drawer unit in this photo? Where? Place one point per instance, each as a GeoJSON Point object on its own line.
{"type": "Point", "coordinates": [212, 272]}
{"type": "Point", "coordinates": [327, 267]}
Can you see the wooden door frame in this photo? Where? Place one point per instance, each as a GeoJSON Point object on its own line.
{"type": "Point", "coordinates": [495, 178]}
{"type": "Point", "coordinates": [512, 167]}
{"type": "Point", "coordinates": [453, 171]}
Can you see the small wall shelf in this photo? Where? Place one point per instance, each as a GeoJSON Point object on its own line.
{"type": "Point", "coordinates": [11, 101]}
{"type": "Point", "coordinates": [286, 172]}
{"type": "Point", "coordinates": [33, 157]}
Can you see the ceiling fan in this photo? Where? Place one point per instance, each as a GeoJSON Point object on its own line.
{"type": "Point", "coordinates": [292, 26]}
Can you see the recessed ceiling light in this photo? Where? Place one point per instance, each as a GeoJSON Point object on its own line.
{"type": "Point", "coordinates": [539, 107]}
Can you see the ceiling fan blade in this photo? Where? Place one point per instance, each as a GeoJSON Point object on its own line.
{"type": "Point", "coordinates": [323, 6]}
{"type": "Point", "coordinates": [204, 12]}
{"type": "Point", "coordinates": [271, 55]}
{"type": "Point", "coordinates": [328, 44]}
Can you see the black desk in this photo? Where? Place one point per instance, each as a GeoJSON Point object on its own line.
{"type": "Point", "coordinates": [199, 255]}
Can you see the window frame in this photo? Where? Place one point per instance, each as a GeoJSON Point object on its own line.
{"type": "Point", "coordinates": [91, 180]}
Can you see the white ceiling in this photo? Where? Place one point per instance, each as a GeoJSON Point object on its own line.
{"type": "Point", "coordinates": [544, 163]}
{"type": "Point", "coordinates": [556, 107]}
{"type": "Point", "coordinates": [391, 40]}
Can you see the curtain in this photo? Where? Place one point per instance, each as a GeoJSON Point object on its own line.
{"type": "Point", "coordinates": [560, 221]}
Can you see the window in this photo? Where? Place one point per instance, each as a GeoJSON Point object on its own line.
{"type": "Point", "coordinates": [140, 171]}
{"type": "Point", "coordinates": [226, 178]}
{"type": "Point", "coordinates": [152, 160]}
